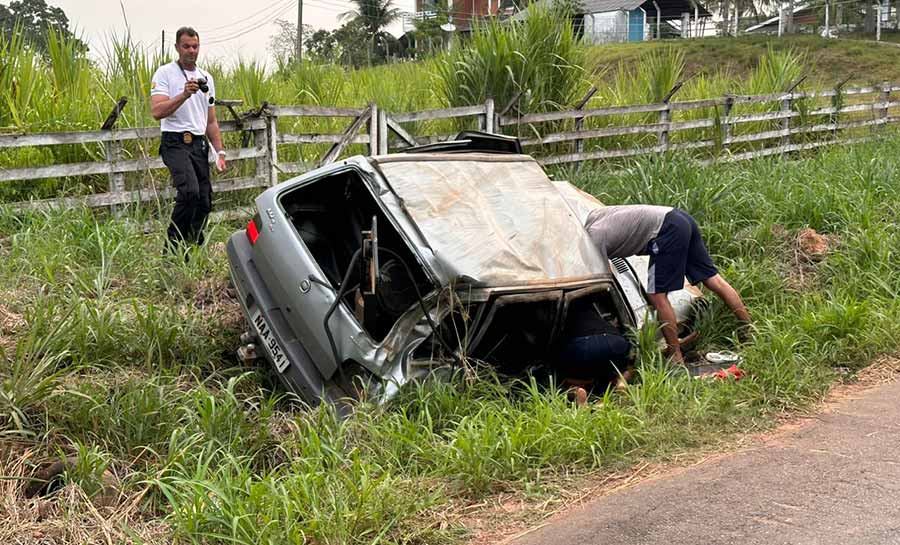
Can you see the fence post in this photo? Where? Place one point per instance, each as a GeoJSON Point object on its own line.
{"type": "Point", "coordinates": [116, 179]}
{"type": "Point", "coordinates": [373, 128]}
{"type": "Point", "coordinates": [262, 143]}
{"type": "Point", "coordinates": [271, 139]}
{"type": "Point", "coordinates": [665, 116]}
{"type": "Point", "coordinates": [786, 107]}
{"type": "Point", "coordinates": [489, 115]}
{"type": "Point", "coordinates": [727, 127]}
{"type": "Point", "coordinates": [885, 100]}
{"type": "Point", "coordinates": [663, 135]}
{"type": "Point", "coordinates": [382, 132]}
{"type": "Point", "coordinates": [579, 121]}
{"type": "Point", "coordinates": [113, 150]}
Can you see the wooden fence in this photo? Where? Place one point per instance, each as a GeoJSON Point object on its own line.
{"type": "Point", "coordinates": [728, 128]}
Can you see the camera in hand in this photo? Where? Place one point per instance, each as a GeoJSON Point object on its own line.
{"type": "Point", "coordinates": [204, 85]}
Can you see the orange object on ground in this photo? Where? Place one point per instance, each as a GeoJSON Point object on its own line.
{"type": "Point", "coordinates": [733, 371]}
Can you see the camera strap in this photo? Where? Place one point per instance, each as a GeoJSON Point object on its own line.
{"type": "Point", "coordinates": [183, 73]}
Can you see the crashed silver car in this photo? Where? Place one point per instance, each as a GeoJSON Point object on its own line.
{"type": "Point", "coordinates": [372, 272]}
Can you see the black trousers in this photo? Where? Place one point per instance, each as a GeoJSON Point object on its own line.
{"type": "Point", "coordinates": [189, 167]}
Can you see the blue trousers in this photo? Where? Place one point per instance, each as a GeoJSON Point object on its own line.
{"type": "Point", "coordinates": [593, 356]}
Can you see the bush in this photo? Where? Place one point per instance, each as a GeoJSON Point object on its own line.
{"type": "Point", "coordinates": [540, 57]}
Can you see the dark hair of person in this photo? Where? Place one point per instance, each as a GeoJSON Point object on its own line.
{"type": "Point", "coordinates": [185, 30]}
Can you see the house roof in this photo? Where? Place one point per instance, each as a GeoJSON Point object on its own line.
{"type": "Point", "coordinates": [600, 6]}
{"type": "Point", "coordinates": [668, 8]}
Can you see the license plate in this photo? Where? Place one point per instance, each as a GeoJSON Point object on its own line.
{"type": "Point", "coordinates": [267, 339]}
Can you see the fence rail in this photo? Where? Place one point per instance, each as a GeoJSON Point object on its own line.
{"type": "Point", "coordinates": [774, 121]}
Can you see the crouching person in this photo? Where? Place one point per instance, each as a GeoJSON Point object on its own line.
{"type": "Point", "coordinates": [591, 352]}
{"type": "Point", "coordinates": [672, 239]}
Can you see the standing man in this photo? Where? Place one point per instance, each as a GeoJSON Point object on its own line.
{"type": "Point", "coordinates": [672, 239]}
{"type": "Point", "coordinates": [182, 98]}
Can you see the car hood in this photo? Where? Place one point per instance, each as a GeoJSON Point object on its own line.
{"type": "Point", "coordinates": [492, 220]}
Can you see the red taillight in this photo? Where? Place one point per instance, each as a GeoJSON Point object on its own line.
{"type": "Point", "coordinates": [252, 232]}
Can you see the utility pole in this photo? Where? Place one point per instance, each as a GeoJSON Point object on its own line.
{"type": "Point", "coordinates": [162, 45]}
{"type": "Point", "coordinates": [299, 30]}
{"type": "Point", "coordinates": [780, 20]}
{"type": "Point", "coordinates": [878, 22]}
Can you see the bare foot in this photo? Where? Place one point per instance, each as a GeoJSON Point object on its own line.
{"type": "Point", "coordinates": [579, 395]}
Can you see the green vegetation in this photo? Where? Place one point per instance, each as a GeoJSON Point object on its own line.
{"type": "Point", "coordinates": [60, 90]}
{"type": "Point", "coordinates": [828, 61]}
{"type": "Point", "coordinates": [37, 20]}
{"type": "Point", "coordinates": [124, 363]}
{"type": "Point", "coordinates": [120, 359]}
{"type": "Point", "coordinates": [541, 58]}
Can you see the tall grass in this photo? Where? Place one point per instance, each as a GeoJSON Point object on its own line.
{"type": "Point", "coordinates": [539, 58]}
{"type": "Point", "coordinates": [133, 371]}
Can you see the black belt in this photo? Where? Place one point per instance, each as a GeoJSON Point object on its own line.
{"type": "Point", "coordinates": [187, 137]}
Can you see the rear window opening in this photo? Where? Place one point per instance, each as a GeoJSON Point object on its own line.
{"type": "Point", "coordinates": [331, 216]}
{"type": "Point", "coordinates": [516, 332]}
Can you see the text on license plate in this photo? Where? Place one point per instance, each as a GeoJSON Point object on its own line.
{"type": "Point", "coordinates": [267, 339]}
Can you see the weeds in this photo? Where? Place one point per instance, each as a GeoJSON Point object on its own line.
{"type": "Point", "coordinates": [124, 365]}
{"type": "Point", "coordinates": [31, 374]}
{"type": "Point", "coordinates": [538, 58]}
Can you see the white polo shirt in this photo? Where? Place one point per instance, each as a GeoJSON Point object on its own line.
{"type": "Point", "coordinates": [168, 81]}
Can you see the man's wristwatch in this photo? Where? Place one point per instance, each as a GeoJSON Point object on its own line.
{"type": "Point", "coordinates": [221, 153]}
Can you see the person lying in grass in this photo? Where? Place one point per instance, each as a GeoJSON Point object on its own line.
{"type": "Point", "coordinates": [672, 239]}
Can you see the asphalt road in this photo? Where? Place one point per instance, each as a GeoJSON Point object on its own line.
{"type": "Point", "coordinates": [834, 480]}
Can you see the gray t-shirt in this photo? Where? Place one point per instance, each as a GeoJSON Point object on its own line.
{"type": "Point", "coordinates": [624, 231]}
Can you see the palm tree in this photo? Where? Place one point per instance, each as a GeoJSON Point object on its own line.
{"type": "Point", "coordinates": [372, 15]}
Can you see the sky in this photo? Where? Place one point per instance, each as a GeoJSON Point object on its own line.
{"type": "Point", "coordinates": [228, 28]}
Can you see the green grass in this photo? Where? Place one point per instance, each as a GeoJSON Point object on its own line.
{"type": "Point", "coordinates": [829, 61]}
{"type": "Point", "coordinates": [62, 91]}
{"type": "Point", "coordinates": [125, 363]}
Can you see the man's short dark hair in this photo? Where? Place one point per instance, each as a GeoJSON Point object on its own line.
{"type": "Point", "coordinates": [185, 30]}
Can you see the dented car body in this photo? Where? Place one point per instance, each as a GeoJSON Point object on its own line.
{"type": "Point", "coordinates": [378, 271]}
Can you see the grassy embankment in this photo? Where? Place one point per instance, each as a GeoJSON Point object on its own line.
{"type": "Point", "coordinates": [122, 359]}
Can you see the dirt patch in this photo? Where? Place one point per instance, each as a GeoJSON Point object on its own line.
{"type": "Point", "coordinates": [217, 297]}
{"type": "Point", "coordinates": [506, 517]}
{"type": "Point", "coordinates": [67, 515]}
{"type": "Point", "coordinates": [10, 324]}
{"type": "Point", "coordinates": [803, 250]}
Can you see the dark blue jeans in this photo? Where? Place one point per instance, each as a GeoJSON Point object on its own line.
{"type": "Point", "coordinates": [593, 357]}
{"type": "Point", "coordinates": [193, 198]}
